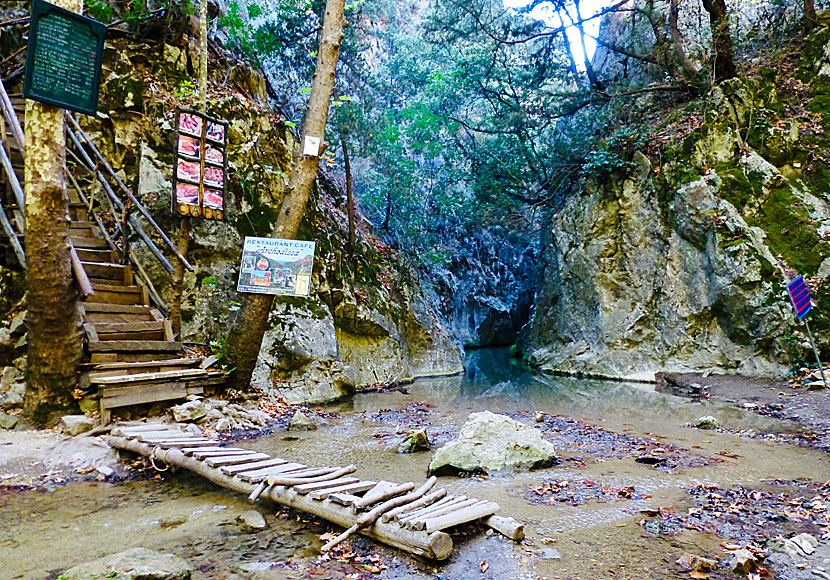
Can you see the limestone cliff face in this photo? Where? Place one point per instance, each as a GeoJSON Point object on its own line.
{"type": "Point", "coordinates": [366, 321]}
{"type": "Point", "coordinates": [679, 263]}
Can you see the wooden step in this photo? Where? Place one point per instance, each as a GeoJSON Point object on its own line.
{"type": "Point", "coordinates": [135, 346]}
{"type": "Point", "coordinates": [131, 357]}
{"type": "Point", "coordinates": [98, 256]}
{"type": "Point", "coordinates": [126, 295]}
{"type": "Point", "coordinates": [92, 243]}
{"type": "Point", "coordinates": [144, 330]}
{"type": "Point", "coordinates": [118, 273]}
{"type": "Point", "coordinates": [95, 312]}
{"type": "Point", "coordinates": [148, 365]}
{"type": "Point", "coordinates": [163, 376]}
{"type": "Point", "coordinates": [120, 396]}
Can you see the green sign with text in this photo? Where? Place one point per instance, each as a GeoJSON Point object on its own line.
{"type": "Point", "coordinates": [63, 62]}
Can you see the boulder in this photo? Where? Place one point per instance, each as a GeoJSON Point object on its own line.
{"type": "Point", "coordinates": [415, 441]}
{"type": "Point", "coordinates": [76, 424]}
{"type": "Point", "coordinates": [251, 521]}
{"type": "Point", "coordinates": [134, 564]}
{"type": "Point", "coordinates": [12, 398]}
{"type": "Point", "coordinates": [301, 422]}
{"type": "Point", "coordinates": [7, 421]}
{"type": "Point", "coordinates": [193, 430]}
{"type": "Point", "coordinates": [743, 562]}
{"type": "Point", "coordinates": [491, 443]}
{"type": "Point", "coordinates": [189, 412]}
{"type": "Point", "coordinates": [707, 422]}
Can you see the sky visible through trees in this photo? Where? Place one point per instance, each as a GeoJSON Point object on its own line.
{"type": "Point", "coordinates": [588, 8]}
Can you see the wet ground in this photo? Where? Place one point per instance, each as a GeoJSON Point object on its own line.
{"type": "Point", "coordinates": [636, 489]}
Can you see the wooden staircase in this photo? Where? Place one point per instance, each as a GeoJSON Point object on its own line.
{"type": "Point", "coordinates": [131, 354]}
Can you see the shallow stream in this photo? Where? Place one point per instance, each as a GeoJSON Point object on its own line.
{"type": "Point", "coordinates": [599, 429]}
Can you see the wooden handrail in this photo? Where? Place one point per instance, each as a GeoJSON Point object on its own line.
{"type": "Point", "coordinates": [87, 163]}
{"type": "Point", "coordinates": [80, 274]}
{"type": "Point", "coordinates": [7, 227]}
{"type": "Point", "coordinates": [129, 193]}
{"type": "Point", "coordinates": [18, 191]}
{"type": "Point", "coordinates": [151, 289]}
{"type": "Point", "coordinates": [11, 118]}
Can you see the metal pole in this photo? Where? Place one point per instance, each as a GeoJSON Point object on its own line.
{"type": "Point", "coordinates": [815, 351]}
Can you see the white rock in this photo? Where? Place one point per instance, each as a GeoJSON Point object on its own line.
{"type": "Point", "coordinates": [134, 564]}
{"type": "Point", "coordinates": [251, 521]}
{"type": "Point", "coordinates": [490, 442]}
{"type": "Point", "coordinates": [189, 412]}
{"type": "Point", "coordinates": [76, 424]}
{"type": "Point", "coordinates": [301, 422]}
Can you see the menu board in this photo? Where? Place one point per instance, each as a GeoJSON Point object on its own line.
{"type": "Point", "coordinates": [273, 266]}
{"type": "Point", "coordinates": [201, 165]}
{"type": "Point", "coordinates": [63, 62]}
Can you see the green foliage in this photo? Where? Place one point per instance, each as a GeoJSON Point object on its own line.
{"type": "Point", "coordinates": [100, 10]}
{"type": "Point", "coordinates": [602, 161]}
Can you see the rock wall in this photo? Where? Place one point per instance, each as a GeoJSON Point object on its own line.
{"type": "Point", "coordinates": [679, 263]}
{"type": "Point", "coordinates": [486, 291]}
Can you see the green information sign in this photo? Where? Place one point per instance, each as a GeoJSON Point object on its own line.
{"type": "Point", "coordinates": [63, 62]}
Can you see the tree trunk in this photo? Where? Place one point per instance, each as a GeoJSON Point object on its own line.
{"type": "Point", "coordinates": [177, 280]}
{"type": "Point", "coordinates": [349, 194]}
{"type": "Point", "coordinates": [245, 339]}
{"type": "Point", "coordinates": [589, 67]}
{"type": "Point", "coordinates": [810, 18]}
{"type": "Point", "coordinates": [721, 39]}
{"type": "Point", "coordinates": [53, 323]}
{"type": "Point", "coordinates": [690, 72]}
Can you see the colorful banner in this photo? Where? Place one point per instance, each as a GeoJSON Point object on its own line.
{"type": "Point", "coordinates": [201, 165]}
{"type": "Point", "coordinates": [272, 266]}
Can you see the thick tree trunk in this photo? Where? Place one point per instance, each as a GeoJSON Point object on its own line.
{"type": "Point", "coordinates": [349, 193]}
{"type": "Point", "coordinates": [721, 39]}
{"type": "Point", "coordinates": [810, 18]}
{"type": "Point", "coordinates": [242, 349]}
{"type": "Point", "coordinates": [53, 323]}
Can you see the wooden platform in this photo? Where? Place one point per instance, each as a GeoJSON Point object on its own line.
{"type": "Point", "coordinates": [414, 520]}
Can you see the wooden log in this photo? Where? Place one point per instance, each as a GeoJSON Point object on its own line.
{"type": "Point", "coordinates": [309, 487]}
{"type": "Point", "coordinates": [507, 527]}
{"type": "Point", "coordinates": [479, 510]}
{"type": "Point", "coordinates": [384, 495]}
{"type": "Point", "coordinates": [202, 452]}
{"type": "Point", "coordinates": [257, 491]}
{"type": "Point", "coordinates": [293, 479]}
{"type": "Point", "coordinates": [234, 459]}
{"type": "Point", "coordinates": [234, 469]}
{"type": "Point", "coordinates": [257, 475]}
{"type": "Point", "coordinates": [403, 518]}
{"type": "Point", "coordinates": [349, 488]}
{"type": "Point", "coordinates": [372, 516]}
{"type": "Point", "coordinates": [419, 523]}
{"type": "Point", "coordinates": [310, 472]}
{"type": "Point", "coordinates": [346, 499]}
{"type": "Point", "coordinates": [424, 501]}
{"type": "Point", "coordinates": [436, 546]}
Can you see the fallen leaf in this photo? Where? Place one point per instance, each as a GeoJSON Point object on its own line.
{"type": "Point", "coordinates": [698, 575]}
{"type": "Point", "coordinates": [484, 566]}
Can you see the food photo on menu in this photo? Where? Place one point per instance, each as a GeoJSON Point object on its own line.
{"type": "Point", "coordinates": [213, 199]}
{"type": "Point", "coordinates": [216, 132]}
{"type": "Point", "coordinates": [214, 155]}
{"type": "Point", "coordinates": [188, 170]}
{"type": "Point", "coordinates": [191, 124]}
{"type": "Point", "coordinates": [188, 146]}
{"type": "Point", "coordinates": [187, 193]}
{"type": "Point", "coordinates": [214, 176]}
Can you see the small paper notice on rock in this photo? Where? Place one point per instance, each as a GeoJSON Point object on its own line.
{"type": "Point", "coordinates": [311, 146]}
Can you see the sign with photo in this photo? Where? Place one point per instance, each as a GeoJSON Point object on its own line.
{"type": "Point", "coordinates": [201, 165]}
{"type": "Point", "coordinates": [272, 266]}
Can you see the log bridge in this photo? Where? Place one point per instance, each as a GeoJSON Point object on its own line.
{"type": "Point", "coordinates": [413, 520]}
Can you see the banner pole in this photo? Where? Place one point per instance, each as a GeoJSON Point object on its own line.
{"type": "Point", "coordinates": [815, 351]}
